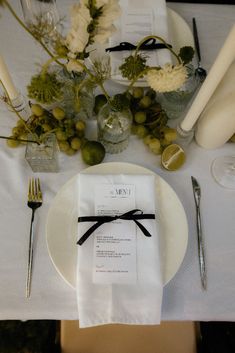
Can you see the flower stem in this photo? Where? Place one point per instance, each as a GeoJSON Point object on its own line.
{"type": "Point", "coordinates": [136, 79]}
{"type": "Point", "coordinates": [28, 30]}
{"type": "Point", "coordinates": [48, 63]}
{"type": "Point", "coordinates": [161, 40]}
{"type": "Point", "coordinates": [20, 140]}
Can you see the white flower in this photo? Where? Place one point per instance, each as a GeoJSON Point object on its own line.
{"type": "Point", "coordinates": [78, 37]}
{"type": "Point", "coordinates": [168, 78]}
{"type": "Point", "coordinates": [73, 65]}
{"type": "Point", "coordinates": [110, 12]}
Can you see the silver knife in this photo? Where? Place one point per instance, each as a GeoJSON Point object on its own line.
{"type": "Point", "coordinates": [201, 253]}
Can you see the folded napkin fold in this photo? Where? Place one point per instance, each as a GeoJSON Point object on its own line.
{"type": "Point", "coordinates": [139, 19]}
{"type": "Point", "coordinates": [130, 291]}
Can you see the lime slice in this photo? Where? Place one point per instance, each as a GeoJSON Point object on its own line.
{"type": "Point", "coordinates": [173, 157]}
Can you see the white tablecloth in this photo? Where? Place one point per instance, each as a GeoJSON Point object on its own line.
{"type": "Point", "coordinates": [52, 298]}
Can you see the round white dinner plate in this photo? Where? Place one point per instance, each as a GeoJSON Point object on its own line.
{"type": "Point", "coordinates": [180, 34]}
{"type": "Point", "coordinates": [61, 227]}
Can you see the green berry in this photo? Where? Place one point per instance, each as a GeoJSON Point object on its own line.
{"type": "Point", "coordinates": [80, 125]}
{"type": "Point", "coordinates": [138, 92]}
{"type": "Point", "coordinates": [142, 131]}
{"type": "Point", "coordinates": [37, 109]}
{"type": "Point", "coordinates": [58, 113]}
{"type": "Point", "coordinates": [64, 146]}
{"type": "Point", "coordinates": [13, 143]}
{"type": "Point", "coordinates": [140, 117]}
{"type": "Point", "coordinates": [61, 135]}
{"type": "Point", "coordinates": [145, 102]}
{"type": "Point", "coordinates": [76, 143]}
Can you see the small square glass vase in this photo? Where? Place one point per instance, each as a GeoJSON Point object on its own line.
{"type": "Point", "coordinates": [43, 158]}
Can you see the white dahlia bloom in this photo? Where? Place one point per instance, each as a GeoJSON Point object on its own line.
{"type": "Point", "coordinates": [78, 37]}
{"type": "Point", "coordinates": [110, 12]}
{"type": "Point", "coordinates": [168, 78]}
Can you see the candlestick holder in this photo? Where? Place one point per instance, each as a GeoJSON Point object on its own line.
{"type": "Point", "coordinates": [184, 138]}
{"type": "Point", "coordinates": [18, 104]}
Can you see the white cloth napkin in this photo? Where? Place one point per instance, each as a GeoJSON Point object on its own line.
{"type": "Point", "coordinates": [138, 303]}
{"type": "Point", "coordinates": [145, 18]}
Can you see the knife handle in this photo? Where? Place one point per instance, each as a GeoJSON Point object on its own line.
{"type": "Point", "coordinates": [201, 252]}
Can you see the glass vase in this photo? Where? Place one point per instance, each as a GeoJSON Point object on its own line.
{"type": "Point", "coordinates": [175, 103]}
{"type": "Point", "coordinates": [42, 158]}
{"type": "Point", "coordinates": [114, 128]}
{"type": "Point", "coordinates": [78, 99]}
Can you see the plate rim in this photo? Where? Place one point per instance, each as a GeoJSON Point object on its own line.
{"type": "Point", "coordinates": [130, 165]}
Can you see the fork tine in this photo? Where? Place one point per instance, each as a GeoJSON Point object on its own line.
{"type": "Point", "coordinates": [39, 190]}
{"type": "Point", "coordinates": [30, 190]}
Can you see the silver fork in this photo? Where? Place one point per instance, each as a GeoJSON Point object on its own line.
{"type": "Point", "coordinates": [34, 201]}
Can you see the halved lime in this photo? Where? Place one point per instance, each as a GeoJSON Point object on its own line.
{"type": "Point", "coordinates": [173, 157]}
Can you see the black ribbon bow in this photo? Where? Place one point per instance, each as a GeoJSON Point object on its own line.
{"type": "Point", "coordinates": [133, 215]}
{"type": "Point", "coordinates": [149, 44]}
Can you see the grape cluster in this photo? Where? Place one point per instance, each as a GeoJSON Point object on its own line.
{"type": "Point", "coordinates": [70, 134]}
{"type": "Point", "coordinates": [150, 120]}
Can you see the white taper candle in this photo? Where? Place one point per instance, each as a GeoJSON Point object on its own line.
{"type": "Point", "coordinates": [216, 73]}
{"type": "Point", "coordinates": [7, 80]}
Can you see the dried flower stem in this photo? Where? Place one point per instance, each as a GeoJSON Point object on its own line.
{"type": "Point", "coordinates": [20, 140]}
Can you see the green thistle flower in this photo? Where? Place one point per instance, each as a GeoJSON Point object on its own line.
{"type": "Point", "coordinates": [133, 66]}
{"type": "Point", "coordinates": [45, 88]}
{"type": "Point", "coordinates": [186, 54]}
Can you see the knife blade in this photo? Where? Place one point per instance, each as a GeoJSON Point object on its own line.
{"type": "Point", "coordinates": [201, 252]}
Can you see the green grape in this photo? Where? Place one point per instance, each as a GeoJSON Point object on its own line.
{"type": "Point", "coordinates": [80, 125]}
{"type": "Point", "coordinates": [76, 143]}
{"type": "Point", "coordinates": [58, 113]}
{"type": "Point", "coordinates": [155, 146]}
{"type": "Point", "coordinates": [37, 109]}
{"type": "Point", "coordinates": [138, 92]}
{"type": "Point", "coordinates": [170, 134]}
{"type": "Point", "coordinates": [20, 123]}
{"type": "Point", "coordinates": [64, 146]}
{"type": "Point", "coordinates": [142, 131]}
{"type": "Point", "coordinates": [140, 117]}
{"type": "Point", "coordinates": [13, 143]}
{"type": "Point", "coordinates": [70, 152]}
{"type": "Point", "coordinates": [61, 135]}
{"type": "Point", "coordinates": [145, 102]}
{"type": "Point", "coordinates": [16, 131]}
{"type": "Point", "coordinates": [46, 127]}
{"type": "Point", "coordinates": [23, 136]}
{"type": "Point", "coordinates": [148, 139]}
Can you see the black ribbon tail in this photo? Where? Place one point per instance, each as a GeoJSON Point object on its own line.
{"type": "Point", "coordinates": [142, 228]}
{"type": "Point", "coordinates": [89, 232]}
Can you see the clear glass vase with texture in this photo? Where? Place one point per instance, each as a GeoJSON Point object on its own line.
{"type": "Point", "coordinates": [176, 102]}
{"type": "Point", "coordinates": [42, 158]}
{"type": "Point", "coordinates": [114, 128]}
